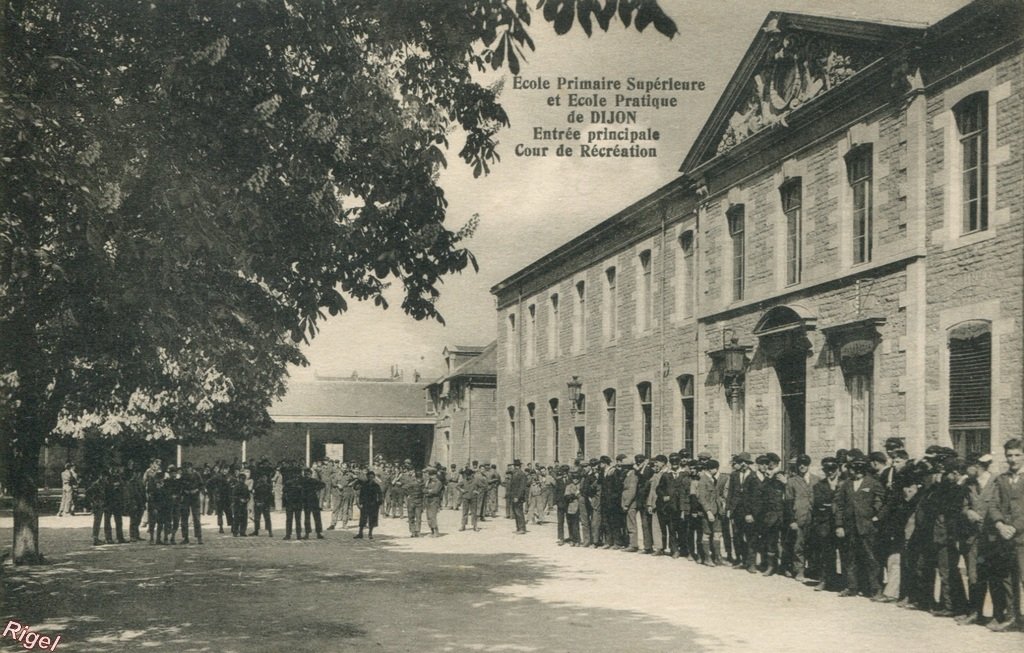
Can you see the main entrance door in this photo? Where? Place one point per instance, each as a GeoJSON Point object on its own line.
{"type": "Point", "coordinates": [782, 333]}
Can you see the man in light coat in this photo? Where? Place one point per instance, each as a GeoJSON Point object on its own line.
{"type": "Point", "coordinates": [799, 503]}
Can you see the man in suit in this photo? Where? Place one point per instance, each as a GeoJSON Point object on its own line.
{"type": "Point", "coordinates": [656, 502]}
{"type": "Point", "coordinates": [822, 535]}
{"type": "Point", "coordinates": [737, 506]}
{"type": "Point", "coordinates": [628, 503]}
{"type": "Point", "coordinates": [611, 499]}
{"type": "Point", "coordinates": [644, 473]}
{"type": "Point", "coordinates": [590, 504]}
{"type": "Point", "coordinates": [472, 489]}
{"type": "Point", "coordinates": [753, 516]}
{"type": "Point", "coordinates": [518, 488]}
{"type": "Point", "coordinates": [975, 542]}
{"type": "Point", "coordinates": [799, 502]}
{"type": "Point", "coordinates": [675, 485]}
{"type": "Point", "coordinates": [370, 496]}
{"type": "Point", "coordinates": [1006, 511]}
{"type": "Point", "coordinates": [561, 477]}
{"type": "Point", "coordinates": [858, 508]}
{"type": "Point", "coordinates": [311, 492]}
{"type": "Point", "coordinates": [191, 486]}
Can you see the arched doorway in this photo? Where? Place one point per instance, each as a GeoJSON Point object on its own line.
{"type": "Point", "coordinates": [782, 333]}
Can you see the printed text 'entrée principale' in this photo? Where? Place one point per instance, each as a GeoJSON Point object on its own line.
{"type": "Point", "coordinates": [605, 117]}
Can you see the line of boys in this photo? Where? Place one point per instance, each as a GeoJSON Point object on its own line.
{"type": "Point", "coordinates": [895, 527]}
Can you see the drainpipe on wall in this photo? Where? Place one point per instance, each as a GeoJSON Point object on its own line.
{"type": "Point", "coordinates": [661, 329]}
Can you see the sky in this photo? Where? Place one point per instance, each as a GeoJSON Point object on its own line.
{"type": "Point", "coordinates": [528, 206]}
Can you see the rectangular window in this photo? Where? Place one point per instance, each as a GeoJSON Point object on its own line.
{"type": "Point", "coordinates": [972, 125]}
{"type": "Point", "coordinates": [579, 319]}
{"type": "Point", "coordinates": [791, 206]}
{"type": "Point", "coordinates": [610, 304]}
{"type": "Point", "coordinates": [686, 410]}
{"type": "Point", "coordinates": [553, 325]}
{"type": "Point", "coordinates": [858, 171]}
{"type": "Point", "coordinates": [646, 299]}
{"type": "Point", "coordinates": [970, 388]}
{"type": "Point", "coordinates": [736, 219]}
{"type": "Point", "coordinates": [859, 372]}
{"type": "Point", "coordinates": [646, 416]}
{"type": "Point", "coordinates": [686, 280]}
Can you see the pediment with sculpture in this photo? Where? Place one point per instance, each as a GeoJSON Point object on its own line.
{"type": "Point", "coordinates": [796, 67]}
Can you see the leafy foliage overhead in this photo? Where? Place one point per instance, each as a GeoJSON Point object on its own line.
{"type": "Point", "coordinates": [190, 187]}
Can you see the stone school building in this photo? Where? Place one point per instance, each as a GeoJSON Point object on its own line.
{"type": "Point", "coordinates": [840, 260]}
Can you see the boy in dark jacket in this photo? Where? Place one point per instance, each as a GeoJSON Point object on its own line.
{"type": "Point", "coordinates": [240, 506]}
{"type": "Point", "coordinates": [311, 501]}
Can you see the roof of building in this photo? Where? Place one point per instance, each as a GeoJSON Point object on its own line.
{"type": "Point", "coordinates": [886, 34]}
{"type": "Point", "coordinates": [353, 402]}
{"type": "Point", "coordinates": [741, 102]}
{"type": "Point", "coordinates": [484, 364]}
{"type": "Point", "coordinates": [465, 349]}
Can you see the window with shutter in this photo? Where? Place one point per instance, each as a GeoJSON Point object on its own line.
{"type": "Point", "coordinates": [970, 387]}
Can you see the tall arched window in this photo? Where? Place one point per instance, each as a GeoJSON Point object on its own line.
{"type": "Point", "coordinates": [972, 128]}
{"type": "Point", "coordinates": [611, 316]}
{"type": "Point", "coordinates": [736, 229]}
{"type": "Point", "coordinates": [555, 426]}
{"type": "Point", "coordinates": [531, 410]}
{"type": "Point", "coordinates": [792, 206]}
{"type": "Point", "coordinates": [970, 387]}
{"type": "Point", "coordinates": [609, 420]}
{"type": "Point", "coordinates": [686, 281]}
{"type": "Point", "coordinates": [858, 174]}
{"type": "Point", "coordinates": [686, 410]}
{"type": "Point", "coordinates": [646, 416]}
{"type": "Point", "coordinates": [512, 429]}
{"type": "Point", "coordinates": [554, 324]}
{"type": "Point", "coordinates": [579, 318]}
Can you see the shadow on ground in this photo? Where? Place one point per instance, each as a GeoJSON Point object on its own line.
{"type": "Point", "coordinates": [261, 594]}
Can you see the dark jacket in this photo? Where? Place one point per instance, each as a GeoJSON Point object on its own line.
{"type": "Point", "coordinates": [263, 491]}
{"type": "Point", "coordinates": [823, 520]}
{"type": "Point", "coordinates": [518, 485]}
{"type": "Point", "coordinates": [310, 488]}
{"type": "Point", "coordinates": [751, 503]}
{"type": "Point", "coordinates": [239, 492]}
{"type": "Point", "coordinates": [857, 510]}
{"type": "Point", "coordinates": [643, 485]}
{"type": "Point", "coordinates": [773, 503]}
{"type": "Point", "coordinates": [370, 495]}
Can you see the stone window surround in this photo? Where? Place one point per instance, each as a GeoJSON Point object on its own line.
{"type": "Point", "coordinates": [1001, 327]}
{"type": "Point", "coordinates": [949, 236]}
{"type": "Point", "coordinates": [644, 316]}
{"type": "Point", "coordinates": [684, 289]}
{"type": "Point", "coordinates": [857, 136]}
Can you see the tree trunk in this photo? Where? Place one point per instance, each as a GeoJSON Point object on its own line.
{"type": "Point", "coordinates": [23, 470]}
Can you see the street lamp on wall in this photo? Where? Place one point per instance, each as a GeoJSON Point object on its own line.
{"type": "Point", "coordinates": [574, 394]}
{"type": "Point", "coordinates": [731, 360]}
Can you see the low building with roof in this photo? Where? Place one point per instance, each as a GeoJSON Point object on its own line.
{"type": "Point", "coordinates": [349, 419]}
{"type": "Point", "coordinates": [462, 403]}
